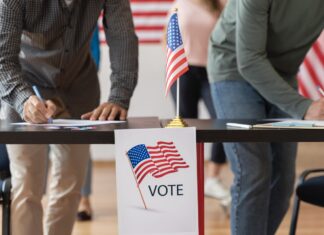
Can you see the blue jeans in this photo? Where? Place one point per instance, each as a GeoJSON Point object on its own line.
{"type": "Point", "coordinates": [4, 159]}
{"type": "Point", "coordinates": [194, 86]}
{"type": "Point", "coordinates": [87, 185]}
{"type": "Point", "coordinates": [4, 163]}
{"type": "Point", "coordinates": [264, 173]}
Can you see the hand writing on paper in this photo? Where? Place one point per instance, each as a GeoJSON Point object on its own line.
{"type": "Point", "coordinates": [106, 111]}
{"type": "Point", "coordinates": [38, 111]}
{"type": "Point", "coordinates": [315, 110]}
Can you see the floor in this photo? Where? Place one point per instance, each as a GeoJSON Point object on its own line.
{"type": "Point", "coordinates": [217, 221]}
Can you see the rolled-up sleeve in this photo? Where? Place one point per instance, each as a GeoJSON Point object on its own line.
{"type": "Point", "coordinates": [13, 89]}
{"type": "Point", "coordinates": [123, 50]}
{"type": "Point", "coordinates": [253, 64]}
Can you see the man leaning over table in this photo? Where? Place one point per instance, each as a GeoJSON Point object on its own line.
{"type": "Point", "coordinates": [254, 55]}
{"type": "Point", "coordinates": [46, 43]}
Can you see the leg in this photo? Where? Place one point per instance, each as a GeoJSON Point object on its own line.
{"type": "Point", "coordinates": [213, 185]}
{"type": "Point", "coordinates": [218, 159]}
{"type": "Point", "coordinates": [85, 211]}
{"type": "Point", "coordinates": [251, 166]}
{"type": "Point", "coordinates": [282, 182]}
{"type": "Point", "coordinates": [4, 162]}
{"type": "Point", "coordinates": [86, 188]}
{"type": "Point", "coordinates": [69, 164]}
{"type": "Point", "coordinates": [189, 94]}
{"type": "Point", "coordinates": [283, 177]}
{"type": "Point", "coordinates": [218, 154]}
{"type": "Point", "coordinates": [6, 204]}
{"type": "Point", "coordinates": [27, 165]}
{"type": "Point", "coordinates": [251, 163]}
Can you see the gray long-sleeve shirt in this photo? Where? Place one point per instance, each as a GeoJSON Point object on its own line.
{"type": "Point", "coordinates": [46, 42]}
{"type": "Point", "coordinates": [264, 42]}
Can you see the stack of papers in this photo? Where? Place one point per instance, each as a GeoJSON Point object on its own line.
{"type": "Point", "coordinates": [293, 124]}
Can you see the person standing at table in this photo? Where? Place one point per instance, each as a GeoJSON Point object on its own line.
{"type": "Point", "coordinates": [255, 51]}
{"type": "Point", "coordinates": [194, 85]}
{"type": "Point", "coordinates": [85, 209]}
{"type": "Point", "coordinates": [46, 43]}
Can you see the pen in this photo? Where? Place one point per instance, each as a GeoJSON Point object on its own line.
{"type": "Point", "coordinates": [239, 125]}
{"type": "Point", "coordinates": [35, 89]}
{"type": "Point", "coordinates": [320, 90]}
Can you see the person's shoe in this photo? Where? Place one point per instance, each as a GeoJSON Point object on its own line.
{"type": "Point", "coordinates": [84, 216]}
{"type": "Point", "coordinates": [226, 205]}
{"type": "Point", "coordinates": [215, 188]}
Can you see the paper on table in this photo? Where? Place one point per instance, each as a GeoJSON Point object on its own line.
{"type": "Point", "coordinates": [301, 124]}
{"type": "Point", "coordinates": [68, 123]}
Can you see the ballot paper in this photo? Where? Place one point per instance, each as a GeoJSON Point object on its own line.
{"type": "Point", "coordinates": [68, 123]}
{"type": "Point", "coordinates": [293, 124]}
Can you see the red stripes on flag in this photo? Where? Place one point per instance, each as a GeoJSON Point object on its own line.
{"type": "Point", "coordinates": [150, 18]}
{"type": "Point", "coordinates": [166, 158]}
{"type": "Point", "coordinates": [142, 169]}
{"type": "Point", "coordinates": [177, 65]}
{"type": "Point", "coordinates": [311, 74]}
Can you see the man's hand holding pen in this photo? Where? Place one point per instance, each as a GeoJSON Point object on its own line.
{"type": "Point", "coordinates": [37, 110]}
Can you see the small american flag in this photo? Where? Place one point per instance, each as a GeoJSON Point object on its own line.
{"type": "Point", "coordinates": [177, 63]}
{"type": "Point", "coordinates": [158, 160]}
{"type": "Point", "coordinates": [311, 74]}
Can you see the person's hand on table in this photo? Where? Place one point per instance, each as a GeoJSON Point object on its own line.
{"type": "Point", "coordinates": [106, 111]}
{"type": "Point", "coordinates": [38, 111]}
{"type": "Point", "coordinates": [315, 110]}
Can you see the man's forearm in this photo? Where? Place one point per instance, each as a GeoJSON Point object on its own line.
{"type": "Point", "coordinates": [13, 89]}
{"type": "Point", "coordinates": [123, 45]}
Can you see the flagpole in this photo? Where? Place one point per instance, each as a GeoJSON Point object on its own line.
{"type": "Point", "coordinates": [178, 89]}
{"type": "Point", "coordinates": [178, 98]}
{"type": "Point", "coordinates": [139, 189]}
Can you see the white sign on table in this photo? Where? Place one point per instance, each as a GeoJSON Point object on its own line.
{"type": "Point", "coordinates": [157, 181]}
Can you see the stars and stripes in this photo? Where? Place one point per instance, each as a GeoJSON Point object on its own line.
{"type": "Point", "coordinates": [177, 63]}
{"type": "Point", "coordinates": [141, 162]}
{"type": "Point", "coordinates": [311, 74]}
{"type": "Point", "coordinates": [158, 160]}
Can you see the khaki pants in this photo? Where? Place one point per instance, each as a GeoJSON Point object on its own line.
{"type": "Point", "coordinates": [28, 168]}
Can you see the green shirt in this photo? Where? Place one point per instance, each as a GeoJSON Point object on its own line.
{"type": "Point", "coordinates": [264, 42]}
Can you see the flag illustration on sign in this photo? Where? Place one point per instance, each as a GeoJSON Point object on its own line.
{"type": "Point", "coordinates": [157, 161]}
{"type": "Point", "coordinates": [311, 73]}
{"type": "Point", "coordinates": [177, 63]}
